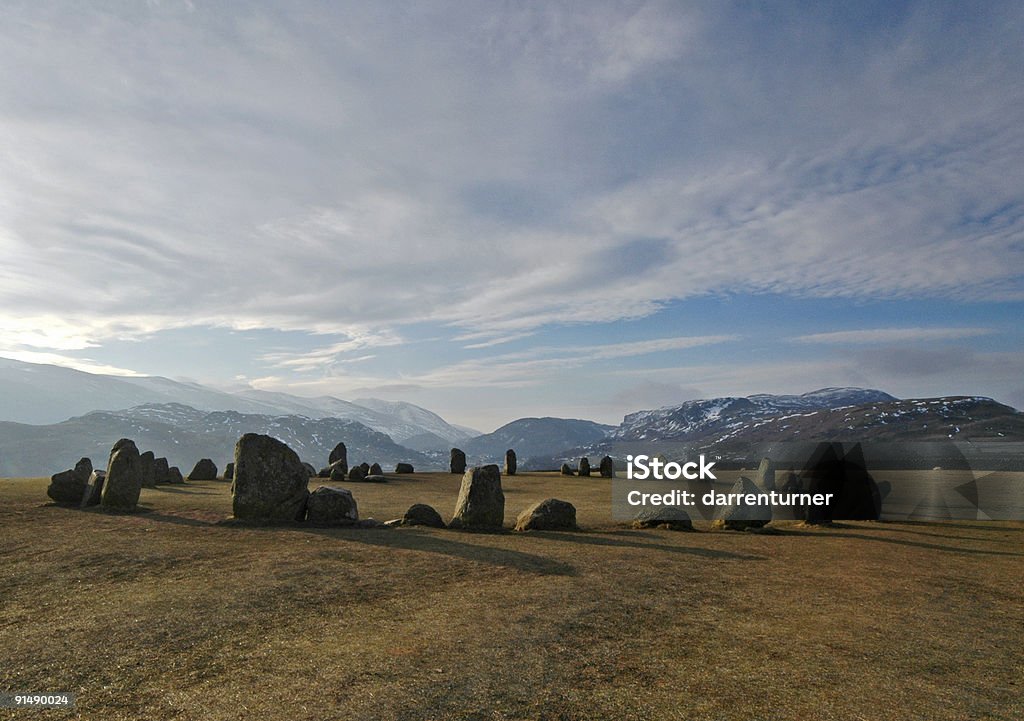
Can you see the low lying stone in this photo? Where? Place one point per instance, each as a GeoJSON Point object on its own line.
{"type": "Point", "coordinates": [68, 486]}
{"type": "Point", "coordinates": [375, 478]}
{"type": "Point", "coordinates": [548, 515]}
{"type": "Point", "coordinates": [404, 468]}
{"type": "Point", "coordinates": [566, 470]}
{"type": "Point", "coordinates": [672, 518]}
{"type": "Point", "coordinates": [375, 470]}
{"type": "Point", "coordinates": [420, 514]}
{"type": "Point", "coordinates": [331, 504]}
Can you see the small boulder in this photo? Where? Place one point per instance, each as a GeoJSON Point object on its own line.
{"type": "Point", "coordinates": [375, 478]}
{"type": "Point", "coordinates": [566, 470]}
{"type": "Point", "coordinates": [585, 466]}
{"type": "Point", "coordinates": [356, 474]}
{"type": "Point", "coordinates": [607, 467]}
{"type": "Point", "coordinates": [481, 502]}
{"type": "Point", "coordinates": [741, 516]}
{"type": "Point", "coordinates": [331, 504]}
{"type": "Point", "coordinates": [94, 489]}
{"type": "Point", "coordinates": [338, 471]}
{"type": "Point", "coordinates": [420, 514]}
{"type": "Point", "coordinates": [375, 470]}
{"type": "Point", "coordinates": [204, 470]}
{"type": "Point", "coordinates": [548, 515]}
{"type": "Point", "coordinates": [404, 468]}
{"type": "Point", "coordinates": [457, 464]}
{"type": "Point", "coordinates": [511, 463]}
{"type": "Point", "coordinates": [672, 518]}
{"type": "Point", "coordinates": [68, 486]}
{"type": "Point", "coordinates": [123, 483]}
{"type": "Point", "coordinates": [270, 481]}
{"type": "Point", "coordinates": [174, 475]}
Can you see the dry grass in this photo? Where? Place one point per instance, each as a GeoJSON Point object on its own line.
{"type": "Point", "coordinates": [168, 615]}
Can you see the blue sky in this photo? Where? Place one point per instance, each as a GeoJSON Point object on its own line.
{"type": "Point", "coordinates": [497, 210]}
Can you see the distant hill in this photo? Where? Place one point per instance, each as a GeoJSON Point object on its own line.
{"type": "Point", "coordinates": [534, 437]}
{"type": "Point", "coordinates": [45, 394]}
{"type": "Point", "coordinates": [184, 435]}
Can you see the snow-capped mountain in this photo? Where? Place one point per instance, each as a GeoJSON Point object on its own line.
{"type": "Point", "coordinates": [184, 435]}
{"type": "Point", "coordinates": [726, 416]}
{"type": "Point", "coordinates": [44, 394]}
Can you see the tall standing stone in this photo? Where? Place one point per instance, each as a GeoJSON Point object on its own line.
{"type": "Point", "coordinates": [340, 453]}
{"type": "Point", "coordinates": [481, 502]}
{"type": "Point", "coordinates": [585, 466]}
{"type": "Point", "coordinates": [376, 470]}
{"type": "Point", "coordinates": [766, 475]}
{"type": "Point", "coordinates": [607, 467]}
{"type": "Point", "coordinates": [458, 461]}
{"type": "Point", "coordinates": [566, 470]}
{"type": "Point", "coordinates": [160, 469]}
{"type": "Point", "coordinates": [123, 483]}
{"type": "Point", "coordinates": [94, 490]}
{"type": "Point", "coordinates": [271, 483]}
{"type": "Point", "coordinates": [510, 462]}
{"type": "Point", "coordinates": [147, 469]}
{"type": "Point", "coordinates": [229, 471]}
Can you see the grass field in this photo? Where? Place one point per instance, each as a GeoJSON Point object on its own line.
{"type": "Point", "coordinates": [167, 614]}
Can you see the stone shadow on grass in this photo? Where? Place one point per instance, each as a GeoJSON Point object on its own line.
{"type": "Point", "coordinates": [902, 542]}
{"type": "Point", "coordinates": [600, 540]}
{"type": "Point", "coordinates": [413, 539]}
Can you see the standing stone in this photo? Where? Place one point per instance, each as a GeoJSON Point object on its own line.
{"type": "Point", "coordinates": [585, 466]}
{"type": "Point", "coordinates": [229, 471]}
{"type": "Point", "coordinates": [174, 475]}
{"type": "Point", "coordinates": [330, 504]}
{"type": "Point", "coordinates": [270, 482]}
{"type": "Point", "coordinates": [375, 470]}
{"type": "Point", "coordinates": [205, 470]}
{"type": "Point", "coordinates": [365, 468]}
{"type": "Point", "coordinates": [147, 469]}
{"type": "Point", "coordinates": [308, 466]}
{"type": "Point", "coordinates": [123, 483]}
{"type": "Point", "coordinates": [94, 490]}
{"type": "Point", "coordinates": [160, 468]}
{"type": "Point", "coordinates": [566, 470]}
{"type": "Point", "coordinates": [741, 516]}
{"type": "Point", "coordinates": [340, 453]}
{"type": "Point", "coordinates": [356, 474]}
{"type": "Point", "coordinates": [458, 461]}
{"type": "Point", "coordinates": [548, 515]}
{"type": "Point", "coordinates": [68, 486]}
{"type": "Point", "coordinates": [607, 467]}
{"type": "Point", "coordinates": [404, 468]}
{"type": "Point", "coordinates": [481, 503]}
{"type": "Point", "coordinates": [338, 471]}
{"type": "Point", "coordinates": [766, 475]}
{"type": "Point", "coordinates": [510, 462]}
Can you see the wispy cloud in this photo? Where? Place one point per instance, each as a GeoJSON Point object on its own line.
{"type": "Point", "coordinates": [892, 335]}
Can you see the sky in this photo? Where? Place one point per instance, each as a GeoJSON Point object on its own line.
{"type": "Point", "coordinates": [497, 210]}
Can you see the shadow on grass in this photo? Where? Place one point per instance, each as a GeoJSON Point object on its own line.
{"type": "Point", "coordinates": [180, 489]}
{"type": "Point", "coordinates": [412, 539]}
{"type": "Point", "coordinates": [602, 540]}
{"type": "Point", "coordinates": [902, 542]}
